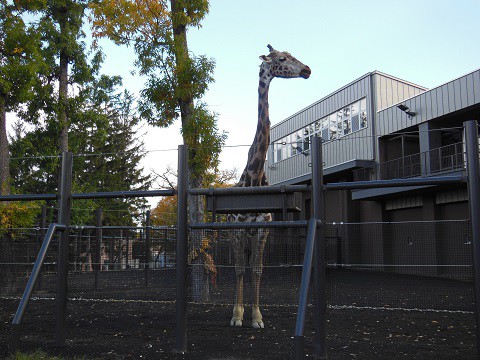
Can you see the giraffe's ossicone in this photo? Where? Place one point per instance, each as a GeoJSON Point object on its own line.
{"type": "Point", "coordinates": [281, 65]}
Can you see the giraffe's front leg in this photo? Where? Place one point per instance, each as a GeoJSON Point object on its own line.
{"type": "Point", "coordinates": [257, 266]}
{"type": "Point", "coordinates": [238, 310]}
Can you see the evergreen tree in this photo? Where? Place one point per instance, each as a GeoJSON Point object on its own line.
{"type": "Point", "coordinates": [107, 153]}
{"type": "Point", "coordinates": [67, 67]}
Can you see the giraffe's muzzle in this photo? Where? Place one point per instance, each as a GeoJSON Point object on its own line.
{"type": "Point", "coordinates": [305, 73]}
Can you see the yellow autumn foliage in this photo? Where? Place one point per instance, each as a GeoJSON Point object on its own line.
{"type": "Point", "coordinates": [18, 214]}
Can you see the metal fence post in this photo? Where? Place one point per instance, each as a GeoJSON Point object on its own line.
{"type": "Point", "coordinates": [147, 248]}
{"type": "Point", "coordinates": [127, 250]}
{"type": "Point", "coordinates": [64, 219]}
{"type": "Point", "coordinates": [98, 246]}
{"type": "Point", "coordinates": [181, 252]}
{"type": "Point", "coordinates": [473, 172]}
{"type": "Point", "coordinates": [319, 250]}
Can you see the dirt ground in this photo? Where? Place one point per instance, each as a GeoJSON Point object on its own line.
{"type": "Point", "coordinates": [146, 330]}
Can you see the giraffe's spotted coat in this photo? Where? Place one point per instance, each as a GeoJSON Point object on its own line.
{"type": "Point", "coordinates": [276, 64]}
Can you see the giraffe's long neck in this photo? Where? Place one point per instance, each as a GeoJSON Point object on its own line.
{"type": "Point", "coordinates": [254, 174]}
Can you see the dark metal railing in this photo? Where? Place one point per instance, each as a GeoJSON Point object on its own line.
{"type": "Point", "coordinates": [440, 160]}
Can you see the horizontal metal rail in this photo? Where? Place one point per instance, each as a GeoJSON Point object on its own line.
{"type": "Point", "coordinates": [304, 289]}
{"type": "Point", "coordinates": [119, 227]}
{"type": "Point", "coordinates": [123, 194]}
{"type": "Point", "coordinates": [94, 195]}
{"type": "Point", "coordinates": [277, 189]}
{"type": "Point", "coordinates": [437, 180]}
{"type": "Point", "coordinates": [28, 197]}
{"type": "Point", "coordinates": [250, 225]}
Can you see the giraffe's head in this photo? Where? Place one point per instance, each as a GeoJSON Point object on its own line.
{"type": "Point", "coordinates": [283, 65]}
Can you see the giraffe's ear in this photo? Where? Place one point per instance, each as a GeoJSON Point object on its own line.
{"type": "Point", "coordinates": [265, 58]}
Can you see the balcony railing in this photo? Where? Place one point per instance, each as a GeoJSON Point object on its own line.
{"type": "Point", "coordinates": [444, 159]}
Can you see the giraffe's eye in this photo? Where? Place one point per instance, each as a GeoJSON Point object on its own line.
{"type": "Point", "coordinates": [282, 59]}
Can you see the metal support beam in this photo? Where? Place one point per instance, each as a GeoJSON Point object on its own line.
{"type": "Point", "coordinates": [304, 290]}
{"type": "Point", "coordinates": [253, 225]}
{"type": "Point", "coordinates": [62, 266]}
{"type": "Point", "coordinates": [28, 197]}
{"type": "Point", "coordinates": [98, 246]}
{"type": "Point", "coordinates": [473, 170]}
{"type": "Point", "coordinates": [147, 248]}
{"type": "Point", "coordinates": [274, 189]}
{"type": "Point", "coordinates": [319, 279]}
{"type": "Point", "coordinates": [123, 194]}
{"type": "Point", "coordinates": [182, 252]}
{"type": "Point", "coordinates": [434, 180]}
{"type": "Point", "coordinates": [22, 306]}
{"type": "Point", "coordinates": [43, 226]}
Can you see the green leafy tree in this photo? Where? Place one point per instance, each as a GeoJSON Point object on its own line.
{"type": "Point", "coordinates": [19, 64]}
{"type": "Point", "coordinates": [177, 79]}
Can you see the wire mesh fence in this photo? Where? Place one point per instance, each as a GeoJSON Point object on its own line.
{"type": "Point", "coordinates": [371, 268]}
{"type": "Point", "coordinates": [412, 265]}
{"type": "Point", "coordinates": [415, 265]}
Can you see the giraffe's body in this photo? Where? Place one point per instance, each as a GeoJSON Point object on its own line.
{"type": "Point", "coordinates": [276, 64]}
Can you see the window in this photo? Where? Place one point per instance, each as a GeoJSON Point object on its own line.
{"type": "Point", "coordinates": [343, 122]}
{"type": "Point", "coordinates": [355, 119]}
{"type": "Point", "coordinates": [363, 113]}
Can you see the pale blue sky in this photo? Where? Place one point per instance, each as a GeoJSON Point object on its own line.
{"type": "Point", "coordinates": [427, 42]}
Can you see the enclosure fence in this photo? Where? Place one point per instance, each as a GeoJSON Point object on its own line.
{"type": "Point", "coordinates": [405, 265]}
{"type": "Point", "coordinates": [421, 266]}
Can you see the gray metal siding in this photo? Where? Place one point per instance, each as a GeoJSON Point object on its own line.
{"type": "Point", "coordinates": [352, 146]}
{"type": "Point", "coordinates": [445, 99]}
{"type": "Point", "coordinates": [390, 90]}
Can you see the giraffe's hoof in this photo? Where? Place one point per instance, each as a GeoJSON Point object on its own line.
{"type": "Point", "coordinates": [236, 322]}
{"type": "Point", "coordinates": [258, 324]}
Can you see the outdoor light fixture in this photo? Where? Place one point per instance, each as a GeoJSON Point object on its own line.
{"type": "Point", "coordinates": [406, 110]}
{"type": "Point", "coordinates": [300, 150]}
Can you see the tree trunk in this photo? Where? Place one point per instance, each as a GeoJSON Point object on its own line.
{"type": "Point", "coordinates": [4, 153]}
{"type": "Point", "coordinates": [63, 96]}
{"type": "Point", "coordinates": [6, 271]}
{"type": "Point", "coordinates": [200, 283]}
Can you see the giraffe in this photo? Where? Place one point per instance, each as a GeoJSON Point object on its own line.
{"type": "Point", "coordinates": [276, 64]}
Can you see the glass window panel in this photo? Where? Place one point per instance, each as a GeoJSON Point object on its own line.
{"type": "Point", "coordinates": [306, 143]}
{"type": "Point", "coordinates": [288, 147]}
{"type": "Point", "coordinates": [339, 122]}
{"type": "Point", "coordinates": [346, 124]}
{"type": "Point", "coordinates": [333, 127]}
{"type": "Point", "coordinates": [355, 118]}
{"type": "Point", "coordinates": [325, 132]}
{"type": "Point", "coordinates": [284, 152]}
{"type": "Point", "coordinates": [363, 113]}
